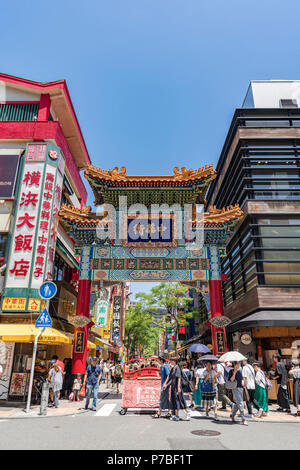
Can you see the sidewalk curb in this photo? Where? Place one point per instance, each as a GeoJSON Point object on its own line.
{"type": "Point", "coordinates": [72, 413]}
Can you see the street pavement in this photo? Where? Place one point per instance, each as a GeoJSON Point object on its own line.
{"type": "Point", "coordinates": [106, 429]}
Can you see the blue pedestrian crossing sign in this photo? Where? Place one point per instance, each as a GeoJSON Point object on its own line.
{"type": "Point", "coordinates": [44, 320]}
{"type": "Point", "coordinates": [48, 290]}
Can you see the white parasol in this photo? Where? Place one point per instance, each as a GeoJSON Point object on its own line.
{"type": "Point", "coordinates": [232, 356]}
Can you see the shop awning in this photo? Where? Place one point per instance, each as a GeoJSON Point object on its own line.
{"type": "Point", "coordinates": [101, 342]}
{"type": "Point", "coordinates": [91, 345]}
{"type": "Point", "coordinates": [267, 318]}
{"type": "Point", "coordinates": [10, 333]}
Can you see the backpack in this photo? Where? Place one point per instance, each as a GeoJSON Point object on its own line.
{"type": "Point", "coordinates": [184, 379]}
{"type": "Point", "coordinates": [118, 370]}
{"type": "Point", "coordinates": [268, 383]}
{"type": "Point", "coordinates": [226, 372]}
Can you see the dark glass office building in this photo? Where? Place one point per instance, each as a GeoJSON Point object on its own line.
{"type": "Point", "coordinates": [259, 169]}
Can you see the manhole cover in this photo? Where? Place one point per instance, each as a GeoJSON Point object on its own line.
{"type": "Point", "coordinates": [205, 432]}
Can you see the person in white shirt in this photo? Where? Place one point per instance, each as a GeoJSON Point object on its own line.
{"type": "Point", "coordinates": [261, 393]}
{"type": "Point", "coordinates": [249, 378]}
{"type": "Point", "coordinates": [222, 395]}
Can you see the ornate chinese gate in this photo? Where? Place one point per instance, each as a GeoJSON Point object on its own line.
{"type": "Point", "coordinates": [150, 228]}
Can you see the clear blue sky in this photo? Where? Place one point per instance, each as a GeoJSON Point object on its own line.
{"type": "Point", "coordinates": [154, 82]}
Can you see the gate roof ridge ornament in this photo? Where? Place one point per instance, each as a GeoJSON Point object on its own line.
{"type": "Point", "coordinates": [184, 175]}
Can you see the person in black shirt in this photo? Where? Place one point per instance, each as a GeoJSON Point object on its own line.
{"type": "Point", "coordinates": [235, 374]}
{"type": "Point", "coordinates": [281, 377]}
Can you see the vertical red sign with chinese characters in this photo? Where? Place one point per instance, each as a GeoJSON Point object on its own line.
{"type": "Point", "coordinates": [36, 219]}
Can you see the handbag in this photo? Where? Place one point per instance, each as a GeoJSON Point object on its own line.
{"type": "Point", "coordinates": [71, 396]}
{"type": "Point", "coordinates": [230, 385]}
{"type": "Point", "coordinates": [82, 391]}
{"type": "Point", "coordinates": [268, 383]}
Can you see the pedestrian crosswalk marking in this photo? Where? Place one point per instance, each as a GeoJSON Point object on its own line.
{"type": "Point", "coordinates": [195, 413]}
{"type": "Point", "coordinates": [106, 410]}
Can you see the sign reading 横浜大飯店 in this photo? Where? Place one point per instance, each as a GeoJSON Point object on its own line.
{"type": "Point", "coordinates": [33, 238]}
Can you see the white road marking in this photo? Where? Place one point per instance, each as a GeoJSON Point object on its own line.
{"type": "Point", "coordinates": [195, 413]}
{"type": "Point", "coordinates": [106, 410]}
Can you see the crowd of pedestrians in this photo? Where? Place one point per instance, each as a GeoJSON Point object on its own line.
{"type": "Point", "coordinates": [65, 386]}
{"type": "Point", "coordinates": [241, 386]}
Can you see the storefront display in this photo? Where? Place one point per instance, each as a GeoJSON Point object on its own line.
{"type": "Point", "coordinates": [18, 384]}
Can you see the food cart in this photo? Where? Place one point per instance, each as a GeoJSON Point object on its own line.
{"type": "Point", "coordinates": [141, 384]}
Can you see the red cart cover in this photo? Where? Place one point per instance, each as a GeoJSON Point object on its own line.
{"type": "Point", "coordinates": [141, 388]}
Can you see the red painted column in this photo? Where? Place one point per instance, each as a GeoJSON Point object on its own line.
{"type": "Point", "coordinates": [44, 108]}
{"type": "Point", "coordinates": [216, 308]}
{"type": "Point", "coordinates": [83, 308]}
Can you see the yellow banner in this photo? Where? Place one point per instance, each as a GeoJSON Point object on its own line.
{"type": "Point", "coordinates": [14, 303]}
{"type": "Point", "coordinates": [34, 305]}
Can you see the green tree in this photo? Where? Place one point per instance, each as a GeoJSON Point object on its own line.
{"type": "Point", "coordinates": [140, 331]}
{"type": "Point", "coordinates": [168, 298]}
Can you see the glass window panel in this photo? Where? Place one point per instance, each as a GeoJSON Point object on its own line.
{"type": "Point", "coordinates": [273, 163]}
{"type": "Point", "coordinates": [250, 284]}
{"type": "Point", "coordinates": [246, 237]}
{"type": "Point", "coordinates": [236, 260]}
{"type": "Point", "coordinates": [282, 231]}
{"type": "Point", "coordinates": [274, 174]}
{"type": "Point", "coordinates": [275, 123]}
{"type": "Point", "coordinates": [281, 267]}
{"type": "Point", "coordinates": [280, 255]}
{"type": "Point", "coordinates": [250, 271]}
{"type": "Point", "coordinates": [278, 195]}
{"type": "Point", "coordinates": [278, 221]}
{"type": "Point", "coordinates": [246, 248]}
{"type": "Point", "coordinates": [278, 278]}
{"type": "Point", "coordinates": [280, 242]}
{"type": "Point", "coordinates": [276, 185]}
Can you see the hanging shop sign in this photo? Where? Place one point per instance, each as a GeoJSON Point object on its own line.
{"type": "Point", "coordinates": [102, 306]}
{"type": "Point", "coordinates": [220, 342]}
{"type": "Point", "coordinates": [79, 342]}
{"type": "Point", "coordinates": [220, 321]}
{"type": "Point", "coordinates": [246, 338]}
{"type": "Point", "coordinates": [116, 319]}
{"type": "Point", "coordinates": [79, 321]}
{"type": "Point", "coordinates": [8, 172]}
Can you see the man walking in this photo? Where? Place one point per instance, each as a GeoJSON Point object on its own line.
{"type": "Point", "coordinates": [222, 395]}
{"type": "Point", "coordinates": [249, 381]}
{"type": "Point", "coordinates": [281, 377]}
{"type": "Point", "coordinates": [92, 378]}
{"type": "Point", "coordinates": [164, 393]}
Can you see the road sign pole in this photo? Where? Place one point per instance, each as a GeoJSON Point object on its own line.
{"type": "Point", "coordinates": [47, 290]}
{"type": "Point", "coordinates": [32, 369]}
